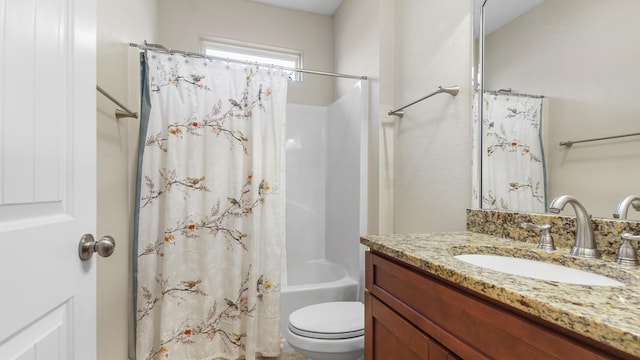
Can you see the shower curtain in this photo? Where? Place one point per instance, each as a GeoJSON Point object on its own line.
{"type": "Point", "coordinates": [209, 235]}
{"type": "Point", "coordinates": [513, 169]}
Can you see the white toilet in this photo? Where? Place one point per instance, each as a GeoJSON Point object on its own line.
{"type": "Point", "coordinates": [331, 331]}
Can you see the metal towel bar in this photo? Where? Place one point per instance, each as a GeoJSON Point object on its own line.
{"type": "Point", "coordinates": [569, 143]}
{"type": "Point", "coordinates": [452, 90]}
{"type": "Point", "coordinates": [125, 112]}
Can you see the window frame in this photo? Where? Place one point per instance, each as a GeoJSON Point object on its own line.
{"type": "Point", "coordinates": [240, 48]}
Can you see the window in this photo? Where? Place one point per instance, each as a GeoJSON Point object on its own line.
{"type": "Point", "coordinates": [263, 54]}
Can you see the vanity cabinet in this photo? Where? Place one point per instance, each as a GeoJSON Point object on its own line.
{"type": "Point", "coordinates": [411, 314]}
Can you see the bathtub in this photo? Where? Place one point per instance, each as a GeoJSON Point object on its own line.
{"type": "Point", "coordinates": [314, 282]}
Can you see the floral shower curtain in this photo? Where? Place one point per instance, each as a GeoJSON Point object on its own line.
{"type": "Point", "coordinates": [513, 168]}
{"type": "Point", "coordinates": [209, 237]}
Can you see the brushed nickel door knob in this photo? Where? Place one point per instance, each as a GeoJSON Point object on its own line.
{"type": "Point", "coordinates": [104, 247]}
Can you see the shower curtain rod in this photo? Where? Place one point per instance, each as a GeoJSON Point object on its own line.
{"type": "Point", "coordinates": [125, 112]}
{"type": "Point", "coordinates": [512, 93]}
{"type": "Point", "coordinates": [157, 47]}
{"type": "Point", "coordinates": [452, 90]}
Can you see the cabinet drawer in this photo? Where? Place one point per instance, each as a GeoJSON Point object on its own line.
{"type": "Point", "coordinates": [469, 326]}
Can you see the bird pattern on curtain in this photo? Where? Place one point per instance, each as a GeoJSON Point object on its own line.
{"type": "Point", "coordinates": [209, 241]}
{"type": "Point", "coordinates": [513, 168]}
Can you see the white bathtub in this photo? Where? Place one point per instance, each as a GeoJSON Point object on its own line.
{"type": "Point", "coordinates": [314, 282]}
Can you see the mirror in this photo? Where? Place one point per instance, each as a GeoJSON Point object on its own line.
{"type": "Point", "coordinates": [583, 57]}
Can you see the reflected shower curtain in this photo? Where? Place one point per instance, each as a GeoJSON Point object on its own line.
{"type": "Point", "coordinates": [209, 236]}
{"type": "Point", "coordinates": [513, 169]}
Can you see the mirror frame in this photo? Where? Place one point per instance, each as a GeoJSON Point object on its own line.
{"type": "Point", "coordinates": [478, 86]}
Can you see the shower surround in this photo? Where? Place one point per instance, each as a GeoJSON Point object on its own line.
{"type": "Point", "coordinates": [326, 200]}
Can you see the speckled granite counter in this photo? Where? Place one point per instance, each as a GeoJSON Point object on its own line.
{"type": "Point", "coordinates": [610, 315]}
{"type": "Point", "coordinates": [563, 228]}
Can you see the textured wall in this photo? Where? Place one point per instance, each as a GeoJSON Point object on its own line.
{"type": "Point", "coordinates": [420, 166]}
{"type": "Point", "coordinates": [180, 23]}
{"type": "Point", "coordinates": [432, 170]}
{"type": "Point", "coordinates": [119, 22]}
{"type": "Point", "coordinates": [362, 30]}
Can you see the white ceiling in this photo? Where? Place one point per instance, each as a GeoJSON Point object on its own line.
{"type": "Point", "coordinates": [498, 13]}
{"type": "Point", "coordinates": [501, 11]}
{"type": "Point", "coordinates": [322, 7]}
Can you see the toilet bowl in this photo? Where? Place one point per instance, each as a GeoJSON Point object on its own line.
{"type": "Point", "coordinates": [328, 331]}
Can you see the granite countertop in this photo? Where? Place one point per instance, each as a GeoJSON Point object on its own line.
{"type": "Point", "coordinates": [610, 315]}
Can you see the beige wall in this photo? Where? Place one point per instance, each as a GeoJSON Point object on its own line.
{"type": "Point", "coordinates": [180, 24]}
{"type": "Point", "coordinates": [360, 27]}
{"type": "Point", "coordinates": [432, 171]}
{"type": "Point", "coordinates": [581, 56]}
{"type": "Point", "coordinates": [419, 166]}
{"type": "Point", "coordinates": [119, 22]}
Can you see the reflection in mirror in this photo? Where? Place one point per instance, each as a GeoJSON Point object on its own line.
{"type": "Point", "coordinates": [583, 56]}
{"type": "Point", "coordinates": [513, 167]}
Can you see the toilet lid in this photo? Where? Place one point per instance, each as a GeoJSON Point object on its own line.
{"type": "Point", "coordinates": [332, 320]}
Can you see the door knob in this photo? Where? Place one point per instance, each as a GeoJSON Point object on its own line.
{"type": "Point", "coordinates": [88, 245]}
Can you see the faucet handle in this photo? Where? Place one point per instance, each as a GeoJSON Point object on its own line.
{"type": "Point", "coordinates": [546, 241]}
{"type": "Point", "coordinates": [626, 253]}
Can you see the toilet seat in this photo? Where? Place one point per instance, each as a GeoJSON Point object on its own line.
{"type": "Point", "coordinates": [330, 321]}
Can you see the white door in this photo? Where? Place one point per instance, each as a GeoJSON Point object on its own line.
{"type": "Point", "coordinates": [47, 179]}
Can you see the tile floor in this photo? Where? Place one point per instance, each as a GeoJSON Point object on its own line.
{"type": "Point", "coordinates": [287, 356]}
{"type": "Point", "coordinates": [292, 356]}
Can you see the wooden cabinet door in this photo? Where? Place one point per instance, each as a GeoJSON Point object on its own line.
{"type": "Point", "coordinates": [439, 352]}
{"type": "Point", "coordinates": [391, 336]}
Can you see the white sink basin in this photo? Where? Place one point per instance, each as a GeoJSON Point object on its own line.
{"type": "Point", "coordinates": [538, 270]}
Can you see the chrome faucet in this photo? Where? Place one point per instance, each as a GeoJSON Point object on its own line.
{"type": "Point", "coordinates": [585, 245]}
{"type": "Point", "coordinates": [623, 206]}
